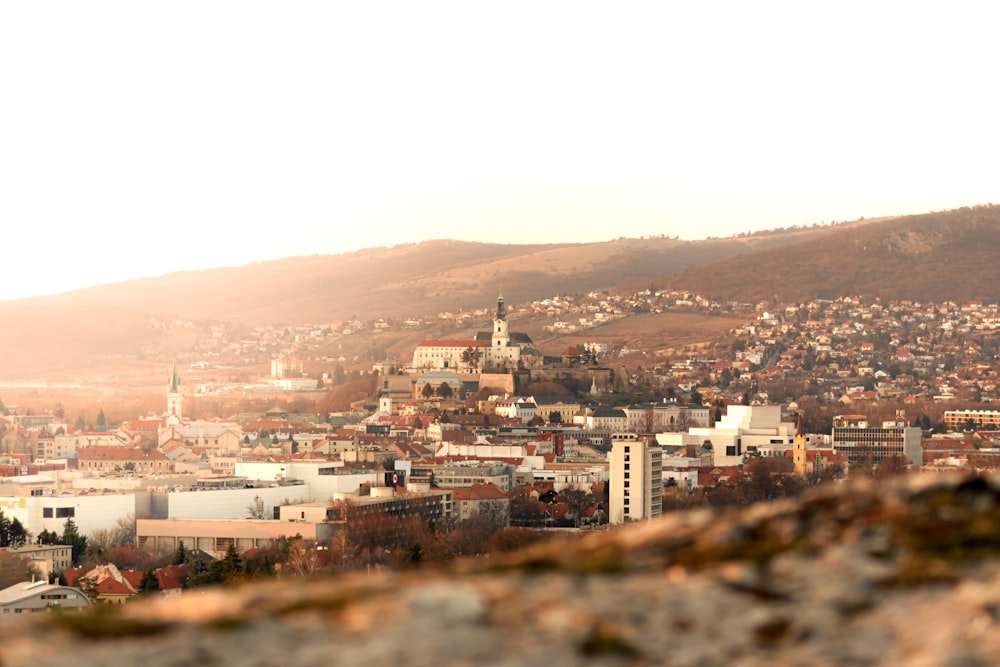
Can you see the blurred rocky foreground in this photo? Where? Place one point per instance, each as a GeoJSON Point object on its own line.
{"type": "Point", "coordinates": [864, 573]}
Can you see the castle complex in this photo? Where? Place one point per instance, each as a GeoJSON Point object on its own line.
{"type": "Point", "coordinates": [498, 349]}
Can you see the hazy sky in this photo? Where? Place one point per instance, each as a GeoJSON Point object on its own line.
{"type": "Point", "coordinates": [138, 138]}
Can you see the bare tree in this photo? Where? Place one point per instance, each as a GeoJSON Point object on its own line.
{"type": "Point", "coordinates": [256, 508]}
{"type": "Point", "coordinates": [14, 568]}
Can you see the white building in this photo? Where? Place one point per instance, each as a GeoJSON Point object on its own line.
{"type": "Point", "coordinates": [745, 430]}
{"type": "Point", "coordinates": [636, 486]}
{"type": "Point", "coordinates": [498, 349]}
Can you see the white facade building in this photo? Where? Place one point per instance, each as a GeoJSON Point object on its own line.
{"type": "Point", "coordinates": [636, 486]}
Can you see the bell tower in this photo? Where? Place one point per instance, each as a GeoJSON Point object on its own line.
{"type": "Point", "coordinates": [799, 449]}
{"type": "Point", "coordinates": [174, 396]}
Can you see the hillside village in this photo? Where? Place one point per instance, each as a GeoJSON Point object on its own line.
{"type": "Point", "coordinates": [480, 442]}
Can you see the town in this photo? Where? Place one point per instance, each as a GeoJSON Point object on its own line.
{"type": "Point", "coordinates": [480, 443]}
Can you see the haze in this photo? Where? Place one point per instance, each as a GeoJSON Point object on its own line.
{"type": "Point", "coordinates": [141, 139]}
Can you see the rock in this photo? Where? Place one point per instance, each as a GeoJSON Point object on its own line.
{"type": "Point", "coordinates": [851, 574]}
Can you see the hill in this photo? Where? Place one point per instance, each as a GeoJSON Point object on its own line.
{"type": "Point", "coordinates": [407, 280]}
{"type": "Point", "coordinates": [119, 328]}
{"type": "Point", "coordinates": [943, 256]}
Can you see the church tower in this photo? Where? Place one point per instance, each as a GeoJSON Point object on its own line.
{"type": "Point", "coordinates": [174, 397]}
{"type": "Point", "coordinates": [500, 332]}
{"type": "Point", "coordinates": [385, 399]}
{"type": "Point", "coordinates": [499, 354]}
{"type": "Point", "coordinates": [799, 449]}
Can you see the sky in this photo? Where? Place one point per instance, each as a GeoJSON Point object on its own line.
{"type": "Point", "coordinates": [141, 138]}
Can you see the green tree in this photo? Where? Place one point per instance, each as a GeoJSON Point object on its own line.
{"type": "Point", "coordinates": [444, 390]}
{"type": "Point", "coordinates": [427, 391]}
{"type": "Point", "coordinates": [149, 583]}
{"type": "Point", "coordinates": [48, 537]}
{"type": "Point", "coordinates": [80, 424]}
{"type": "Point", "coordinates": [180, 556]}
{"type": "Point", "coordinates": [102, 422]}
{"type": "Point", "coordinates": [12, 533]}
{"type": "Point", "coordinates": [72, 537]}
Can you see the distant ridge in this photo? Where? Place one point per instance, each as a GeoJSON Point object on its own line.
{"type": "Point", "coordinates": [949, 255]}
{"type": "Point", "coordinates": [944, 256]}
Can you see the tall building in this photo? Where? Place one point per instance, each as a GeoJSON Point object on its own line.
{"type": "Point", "coordinates": [861, 442]}
{"type": "Point", "coordinates": [636, 490]}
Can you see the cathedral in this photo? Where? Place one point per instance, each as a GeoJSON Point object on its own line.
{"type": "Point", "coordinates": [494, 350]}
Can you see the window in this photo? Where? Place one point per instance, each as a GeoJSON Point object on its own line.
{"type": "Point", "coordinates": [65, 512]}
{"type": "Point", "coordinates": [46, 512]}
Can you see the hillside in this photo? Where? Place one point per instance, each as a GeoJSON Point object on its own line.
{"type": "Point", "coordinates": [944, 256]}
{"type": "Point", "coordinates": [407, 280]}
{"type": "Point", "coordinates": [119, 329]}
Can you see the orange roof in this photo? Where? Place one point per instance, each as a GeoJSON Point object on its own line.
{"type": "Point", "coordinates": [454, 343]}
{"type": "Point", "coordinates": [112, 453]}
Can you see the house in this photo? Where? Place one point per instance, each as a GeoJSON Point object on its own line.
{"type": "Point", "coordinates": [105, 583]}
{"type": "Point", "coordinates": [488, 498]}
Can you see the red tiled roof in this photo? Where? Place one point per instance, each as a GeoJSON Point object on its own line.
{"type": "Point", "coordinates": [112, 453]}
{"type": "Point", "coordinates": [454, 343]}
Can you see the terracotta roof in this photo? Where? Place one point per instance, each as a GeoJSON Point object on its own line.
{"type": "Point", "coordinates": [112, 453]}
{"type": "Point", "coordinates": [454, 343]}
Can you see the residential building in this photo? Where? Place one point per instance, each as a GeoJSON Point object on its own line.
{"type": "Point", "coordinates": [487, 498]}
{"type": "Point", "coordinates": [958, 420]}
{"type": "Point", "coordinates": [46, 559]}
{"type": "Point", "coordinates": [636, 490]}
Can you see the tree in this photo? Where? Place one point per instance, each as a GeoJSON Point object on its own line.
{"type": "Point", "coordinates": [14, 568]}
{"type": "Point", "coordinates": [48, 537]}
{"type": "Point", "coordinates": [256, 508]}
{"type": "Point", "coordinates": [180, 556]}
{"type": "Point", "coordinates": [12, 533]}
{"type": "Point", "coordinates": [102, 422]}
{"type": "Point", "coordinates": [124, 531]}
{"type": "Point", "coordinates": [149, 583]}
{"type": "Point", "coordinates": [427, 391]}
{"type": "Point", "coordinates": [72, 537]}
{"type": "Point", "coordinates": [444, 390]}
{"type": "Point", "coordinates": [470, 357]}
{"type": "Point", "coordinates": [80, 424]}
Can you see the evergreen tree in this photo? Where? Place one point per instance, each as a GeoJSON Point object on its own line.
{"type": "Point", "coordinates": [72, 537]}
{"type": "Point", "coordinates": [102, 422]}
{"type": "Point", "coordinates": [12, 533]}
{"type": "Point", "coordinates": [180, 556]}
{"type": "Point", "coordinates": [149, 583]}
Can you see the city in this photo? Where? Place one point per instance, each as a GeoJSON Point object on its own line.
{"type": "Point", "coordinates": [484, 444]}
